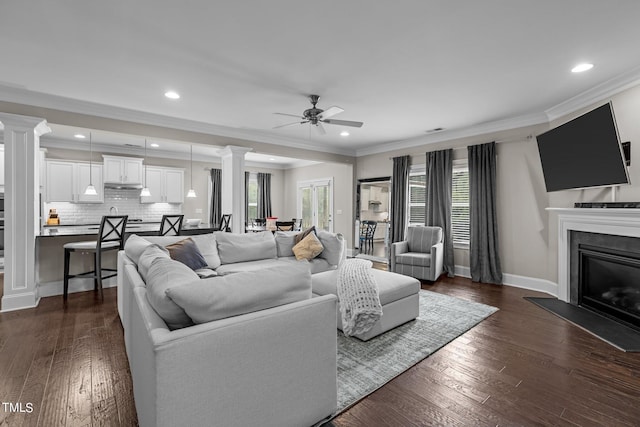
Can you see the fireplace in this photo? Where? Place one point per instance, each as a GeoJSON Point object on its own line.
{"type": "Point", "coordinates": [605, 275]}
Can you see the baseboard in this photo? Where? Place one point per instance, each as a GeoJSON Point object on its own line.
{"type": "Point", "coordinates": [524, 282]}
{"type": "Point", "coordinates": [19, 301]}
{"type": "Point", "coordinates": [50, 289]}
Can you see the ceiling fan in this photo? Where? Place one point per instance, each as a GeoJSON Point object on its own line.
{"type": "Point", "coordinates": [317, 116]}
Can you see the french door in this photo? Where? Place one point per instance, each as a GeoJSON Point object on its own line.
{"type": "Point", "coordinates": [315, 203]}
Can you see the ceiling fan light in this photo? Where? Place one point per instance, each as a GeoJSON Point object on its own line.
{"type": "Point", "coordinates": [344, 133]}
{"type": "Point", "coordinates": [191, 193]}
{"type": "Point", "coordinates": [90, 190]}
{"type": "Point", "coordinates": [145, 192]}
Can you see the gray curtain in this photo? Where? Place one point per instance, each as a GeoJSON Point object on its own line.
{"type": "Point", "coordinates": [484, 254]}
{"type": "Point", "coordinates": [399, 201]}
{"type": "Point", "coordinates": [438, 201]}
{"type": "Point", "coordinates": [216, 197]}
{"type": "Point", "coordinates": [264, 195]}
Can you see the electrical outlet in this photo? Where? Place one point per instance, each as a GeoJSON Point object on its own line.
{"type": "Point", "coordinates": [198, 210]}
{"type": "Point", "coordinates": [339, 212]}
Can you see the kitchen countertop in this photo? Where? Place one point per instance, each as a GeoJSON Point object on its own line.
{"type": "Point", "coordinates": [92, 229]}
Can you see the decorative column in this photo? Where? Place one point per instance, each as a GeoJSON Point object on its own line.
{"type": "Point", "coordinates": [233, 185]}
{"type": "Point", "coordinates": [22, 208]}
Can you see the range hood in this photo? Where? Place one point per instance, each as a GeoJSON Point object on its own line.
{"type": "Point", "coordinates": [122, 186]}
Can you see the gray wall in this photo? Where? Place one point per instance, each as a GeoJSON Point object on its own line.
{"type": "Point", "coordinates": [343, 190]}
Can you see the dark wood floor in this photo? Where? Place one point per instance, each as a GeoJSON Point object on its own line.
{"type": "Point", "coordinates": [521, 366]}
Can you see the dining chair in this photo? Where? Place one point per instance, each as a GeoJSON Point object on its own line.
{"type": "Point", "coordinates": [367, 230]}
{"type": "Point", "coordinates": [260, 221]}
{"type": "Point", "coordinates": [171, 225]}
{"type": "Point", "coordinates": [110, 237]}
{"type": "Point", "coordinates": [225, 223]}
{"type": "Point", "coordinates": [285, 225]}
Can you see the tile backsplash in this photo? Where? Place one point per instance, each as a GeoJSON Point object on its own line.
{"type": "Point", "coordinates": [126, 201]}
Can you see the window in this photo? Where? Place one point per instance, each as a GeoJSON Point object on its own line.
{"type": "Point", "coordinates": [417, 197]}
{"type": "Point", "coordinates": [460, 205]}
{"type": "Point", "coordinates": [459, 200]}
{"type": "Point", "coordinates": [252, 197]}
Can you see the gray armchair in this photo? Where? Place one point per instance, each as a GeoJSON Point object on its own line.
{"type": "Point", "coordinates": [421, 255]}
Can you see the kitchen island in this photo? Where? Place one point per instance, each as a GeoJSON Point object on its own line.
{"type": "Point", "coordinates": [50, 253]}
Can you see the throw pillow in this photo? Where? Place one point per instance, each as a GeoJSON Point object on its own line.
{"type": "Point", "coordinates": [186, 251]}
{"type": "Point", "coordinates": [148, 256]}
{"type": "Point", "coordinates": [334, 247]}
{"type": "Point", "coordinates": [165, 272]}
{"type": "Point", "coordinates": [207, 245]}
{"type": "Point", "coordinates": [304, 234]}
{"type": "Point", "coordinates": [308, 248]}
{"type": "Point", "coordinates": [240, 293]}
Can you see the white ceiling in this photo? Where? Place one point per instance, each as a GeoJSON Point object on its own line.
{"type": "Point", "coordinates": [401, 67]}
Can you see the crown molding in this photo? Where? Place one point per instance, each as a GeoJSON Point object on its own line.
{"type": "Point", "coordinates": [64, 144]}
{"type": "Point", "coordinates": [23, 96]}
{"type": "Point", "coordinates": [448, 135]}
{"type": "Point", "coordinates": [595, 94]}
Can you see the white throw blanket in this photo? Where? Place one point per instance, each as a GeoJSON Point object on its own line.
{"type": "Point", "coordinates": [359, 297]}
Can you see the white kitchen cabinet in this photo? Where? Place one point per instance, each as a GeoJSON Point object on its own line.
{"type": "Point", "coordinates": [122, 170]}
{"type": "Point", "coordinates": [66, 182]}
{"type": "Point", "coordinates": [165, 184]}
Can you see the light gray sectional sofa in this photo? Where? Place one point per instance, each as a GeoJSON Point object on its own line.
{"type": "Point", "coordinates": [262, 351]}
{"type": "Point", "coordinates": [255, 346]}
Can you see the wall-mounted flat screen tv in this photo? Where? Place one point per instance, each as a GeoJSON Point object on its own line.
{"type": "Point", "coordinates": [584, 152]}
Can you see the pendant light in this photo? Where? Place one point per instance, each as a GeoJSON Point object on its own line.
{"type": "Point", "coordinates": [90, 190]}
{"type": "Point", "coordinates": [145, 190]}
{"type": "Point", "coordinates": [191, 192]}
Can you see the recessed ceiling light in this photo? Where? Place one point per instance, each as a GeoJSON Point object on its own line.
{"type": "Point", "coordinates": [581, 67]}
{"type": "Point", "coordinates": [79, 136]}
{"type": "Point", "coordinates": [172, 95]}
{"type": "Point", "coordinates": [154, 145]}
{"type": "Point", "coordinates": [344, 133]}
{"type": "Point", "coordinates": [272, 159]}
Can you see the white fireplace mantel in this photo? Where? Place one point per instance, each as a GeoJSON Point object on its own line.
{"type": "Point", "coordinates": [613, 221]}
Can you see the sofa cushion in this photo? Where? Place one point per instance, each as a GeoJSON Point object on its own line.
{"type": "Point", "coordinates": [234, 247]}
{"type": "Point", "coordinates": [316, 265]}
{"type": "Point", "coordinates": [246, 292]}
{"type": "Point", "coordinates": [164, 273]}
{"type": "Point", "coordinates": [414, 258]}
{"type": "Point", "coordinates": [208, 248]}
{"type": "Point", "coordinates": [420, 239]}
{"type": "Point", "coordinates": [186, 251]}
{"type": "Point", "coordinates": [150, 253]}
{"type": "Point", "coordinates": [285, 242]}
{"type": "Point", "coordinates": [239, 267]}
{"type": "Point", "coordinates": [308, 248]}
{"type": "Point", "coordinates": [333, 245]}
{"type": "Point", "coordinates": [392, 286]}
{"type": "Point", "coordinates": [134, 246]}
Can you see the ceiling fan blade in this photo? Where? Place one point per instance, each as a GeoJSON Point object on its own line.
{"type": "Point", "coordinates": [343, 123]}
{"type": "Point", "coordinates": [330, 112]}
{"type": "Point", "coordinates": [289, 124]}
{"type": "Point", "coordinates": [320, 129]}
{"type": "Point", "coordinates": [290, 115]}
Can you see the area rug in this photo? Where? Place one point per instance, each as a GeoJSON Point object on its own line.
{"type": "Point", "coordinates": [364, 367]}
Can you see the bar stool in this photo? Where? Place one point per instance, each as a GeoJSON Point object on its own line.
{"type": "Point", "coordinates": [225, 223]}
{"type": "Point", "coordinates": [110, 237]}
{"type": "Point", "coordinates": [171, 225]}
